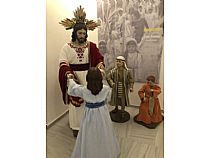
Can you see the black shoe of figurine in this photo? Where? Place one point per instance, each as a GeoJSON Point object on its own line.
{"type": "Point", "coordinates": [75, 133]}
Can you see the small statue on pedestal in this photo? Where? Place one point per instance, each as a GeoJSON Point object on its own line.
{"type": "Point", "coordinates": [149, 110]}
{"type": "Point", "coordinates": [121, 81]}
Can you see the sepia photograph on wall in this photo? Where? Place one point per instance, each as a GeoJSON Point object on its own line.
{"type": "Point", "coordinates": [133, 29]}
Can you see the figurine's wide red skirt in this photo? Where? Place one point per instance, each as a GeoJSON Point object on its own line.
{"type": "Point", "coordinates": [148, 118]}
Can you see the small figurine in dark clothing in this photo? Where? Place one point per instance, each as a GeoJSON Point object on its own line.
{"type": "Point", "coordinates": [121, 81]}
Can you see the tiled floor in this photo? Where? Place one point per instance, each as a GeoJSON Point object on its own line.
{"type": "Point", "coordinates": [136, 141]}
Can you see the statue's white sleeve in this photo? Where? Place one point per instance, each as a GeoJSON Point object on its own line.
{"type": "Point", "coordinates": [63, 55]}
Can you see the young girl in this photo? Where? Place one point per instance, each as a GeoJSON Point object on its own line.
{"type": "Point", "coordinates": [96, 138]}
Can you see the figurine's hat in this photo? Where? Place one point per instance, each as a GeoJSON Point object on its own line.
{"type": "Point", "coordinates": [80, 17]}
{"type": "Point", "coordinates": [120, 58]}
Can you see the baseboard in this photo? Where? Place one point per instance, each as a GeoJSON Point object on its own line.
{"type": "Point", "coordinates": [48, 125]}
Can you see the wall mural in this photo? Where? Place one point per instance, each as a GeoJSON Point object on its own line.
{"type": "Point", "coordinates": [133, 29]}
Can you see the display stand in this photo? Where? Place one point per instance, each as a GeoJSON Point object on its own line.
{"type": "Point", "coordinates": [150, 126]}
{"type": "Point", "coordinates": [119, 116]}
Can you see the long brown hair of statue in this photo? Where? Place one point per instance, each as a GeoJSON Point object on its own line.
{"type": "Point", "coordinates": [94, 80]}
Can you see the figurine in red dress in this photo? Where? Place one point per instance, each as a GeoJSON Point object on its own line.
{"type": "Point", "coordinates": [149, 110]}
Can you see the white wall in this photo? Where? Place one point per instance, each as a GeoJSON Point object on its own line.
{"type": "Point", "coordinates": [57, 36]}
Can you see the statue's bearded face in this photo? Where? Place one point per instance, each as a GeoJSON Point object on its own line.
{"type": "Point", "coordinates": [81, 35]}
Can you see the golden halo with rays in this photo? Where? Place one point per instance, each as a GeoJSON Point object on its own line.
{"type": "Point", "coordinates": [79, 17]}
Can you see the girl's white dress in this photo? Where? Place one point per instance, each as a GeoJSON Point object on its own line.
{"type": "Point", "coordinates": [96, 137]}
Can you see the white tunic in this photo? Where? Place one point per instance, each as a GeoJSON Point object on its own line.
{"type": "Point", "coordinates": [70, 56]}
{"type": "Point", "coordinates": [96, 138]}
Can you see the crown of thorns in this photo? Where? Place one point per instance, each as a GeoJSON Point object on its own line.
{"type": "Point", "coordinates": [80, 17]}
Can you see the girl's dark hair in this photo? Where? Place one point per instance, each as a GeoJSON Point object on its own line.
{"type": "Point", "coordinates": [94, 80]}
{"type": "Point", "coordinates": [78, 26]}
